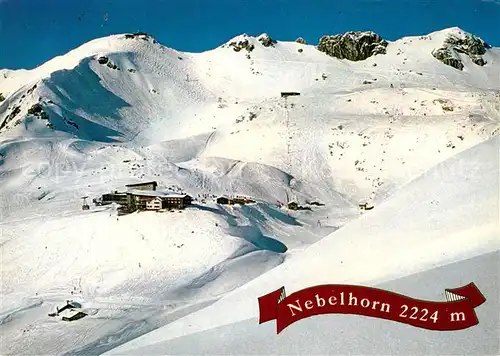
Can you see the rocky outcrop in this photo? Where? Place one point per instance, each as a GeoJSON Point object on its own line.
{"type": "Point", "coordinates": [354, 46]}
{"type": "Point", "coordinates": [463, 43]}
{"type": "Point", "coordinates": [469, 44]}
{"type": "Point", "coordinates": [242, 44]}
{"type": "Point", "coordinates": [102, 60]}
{"type": "Point", "coordinates": [105, 60]}
{"type": "Point", "coordinates": [16, 110]}
{"type": "Point", "coordinates": [300, 40]}
{"type": "Point", "coordinates": [448, 57]}
{"type": "Point", "coordinates": [266, 40]}
{"type": "Point", "coordinates": [112, 66]}
{"type": "Point", "coordinates": [37, 110]}
{"type": "Point", "coordinates": [30, 90]}
{"type": "Point", "coordinates": [1, 97]}
{"type": "Point", "coordinates": [141, 35]}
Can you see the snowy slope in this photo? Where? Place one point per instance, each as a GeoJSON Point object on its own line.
{"type": "Point", "coordinates": [449, 214]}
{"type": "Point", "coordinates": [156, 103]}
{"type": "Point", "coordinates": [356, 335]}
{"type": "Point", "coordinates": [206, 123]}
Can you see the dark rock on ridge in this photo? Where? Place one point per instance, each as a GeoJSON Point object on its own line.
{"type": "Point", "coordinates": [463, 43]}
{"type": "Point", "coordinates": [354, 46]}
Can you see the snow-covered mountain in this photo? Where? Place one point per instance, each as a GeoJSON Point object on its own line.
{"type": "Point", "coordinates": [445, 216]}
{"type": "Point", "coordinates": [372, 116]}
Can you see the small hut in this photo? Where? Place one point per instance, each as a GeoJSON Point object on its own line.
{"type": "Point", "coordinates": [74, 314]}
{"type": "Point", "coordinates": [70, 312]}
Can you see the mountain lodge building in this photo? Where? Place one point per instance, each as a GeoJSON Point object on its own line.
{"type": "Point", "coordinates": [156, 200]}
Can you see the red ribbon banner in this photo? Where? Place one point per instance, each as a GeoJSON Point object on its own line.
{"type": "Point", "coordinates": [455, 314]}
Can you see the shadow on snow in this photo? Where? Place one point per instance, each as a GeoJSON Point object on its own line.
{"type": "Point", "coordinates": [82, 91]}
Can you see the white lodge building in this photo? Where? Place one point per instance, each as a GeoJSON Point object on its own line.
{"type": "Point", "coordinates": [154, 204]}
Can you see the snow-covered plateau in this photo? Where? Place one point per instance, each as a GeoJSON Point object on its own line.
{"type": "Point", "coordinates": [409, 127]}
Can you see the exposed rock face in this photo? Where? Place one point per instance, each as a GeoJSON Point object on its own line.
{"type": "Point", "coordinates": [103, 60]}
{"type": "Point", "coordinates": [141, 35]}
{"type": "Point", "coordinates": [30, 90]}
{"type": "Point", "coordinates": [37, 110]}
{"type": "Point", "coordinates": [15, 111]}
{"type": "Point", "coordinates": [112, 65]}
{"type": "Point", "coordinates": [464, 43]}
{"type": "Point", "coordinates": [469, 44]}
{"type": "Point", "coordinates": [300, 40]}
{"type": "Point", "coordinates": [479, 61]}
{"type": "Point", "coordinates": [243, 44]}
{"type": "Point", "coordinates": [266, 40]}
{"type": "Point", "coordinates": [1, 97]}
{"type": "Point", "coordinates": [354, 46]}
{"type": "Point", "coordinates": [447, 56]}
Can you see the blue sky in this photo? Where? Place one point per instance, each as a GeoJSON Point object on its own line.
{"type": "Point", "coordinates": [33, 31]}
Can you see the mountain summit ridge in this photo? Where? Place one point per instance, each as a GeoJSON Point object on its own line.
{"type": "Point", "coordinates": [125, 109]}
{"type": "Point", "coordinates": [113, 43]}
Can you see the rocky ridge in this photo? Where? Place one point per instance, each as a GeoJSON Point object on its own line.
{"type": "Point", "coordinates": [462, 43]}
{"type": "Point", "coordinates": [354, 45]}
{"type": "Point", "coordinates": [266, 40]}
{"type": "Point", "coordinates": [241, 44]}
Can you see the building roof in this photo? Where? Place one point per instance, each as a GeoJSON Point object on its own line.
{"type": "Point", "coordinates": [156, 198]}
{"type": "Point", "coordinates": [68, 313]}
{"type": "Point", "coordinates": [156, 193]}
{"type": "Point", "coordinates": [141, 184]}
